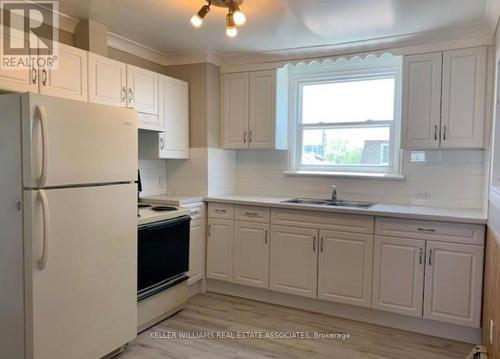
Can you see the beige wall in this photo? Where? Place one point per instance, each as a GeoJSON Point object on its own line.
{"type": "Point", "coordinates": [130, 59]}
{"type": "Point", "coordinates": [213, 106]}
{"type": "Point", "coordinates": [204, 102]}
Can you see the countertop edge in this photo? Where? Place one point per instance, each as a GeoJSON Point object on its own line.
{"type": "Point", "coordinates": [367, 212]}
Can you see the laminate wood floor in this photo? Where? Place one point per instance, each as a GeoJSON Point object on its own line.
{"type": "Point", "coordinates": [210, 314]}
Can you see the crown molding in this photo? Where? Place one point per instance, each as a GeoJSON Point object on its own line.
{"type": "Point", "coordinates": [159, 57]}
{"type": "Point", "coordinates": [193, 58]}
{"type": "Point", "coordinates": [478, 34]}
{"type": "Point", "coordinates": [135, 48]}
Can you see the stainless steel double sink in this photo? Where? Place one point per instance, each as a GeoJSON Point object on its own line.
{"type": "Point", "coordinates": [326, 202]}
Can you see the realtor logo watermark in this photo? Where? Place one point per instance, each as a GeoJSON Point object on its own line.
{"type": "Point", "coordinates": [29, 34]}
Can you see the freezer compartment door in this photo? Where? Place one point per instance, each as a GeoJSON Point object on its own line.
{"type": "Point", "coordinates": [69, 142]}
{"type": "Point", "coordinates": [81, 271]}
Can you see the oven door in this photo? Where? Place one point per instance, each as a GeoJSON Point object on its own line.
{"type": "Point", "coordinates": [163, 255]}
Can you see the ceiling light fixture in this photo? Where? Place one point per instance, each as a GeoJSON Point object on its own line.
{"type": "Point", "coordinates": [235, 17]}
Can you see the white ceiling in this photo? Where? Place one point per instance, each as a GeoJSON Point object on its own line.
{"type": "Point", "coordinates": [273, 24]}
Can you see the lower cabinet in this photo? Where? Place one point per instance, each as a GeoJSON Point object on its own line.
{"type": "Point", "coordinates": [294, 260]}
{"type": "Point", "coordinates": [345, 268]}
{"type": "Point", "coordinates": [423, 269]}
{"type": "Point", "coordinates": [251, 254]}
{"type": "Point", "coordinates": [220, 249]}
{"type": "Point", "coordinates": [453, 283]}
{"type": "Point", "coordinates": [398, 275]}
{"type": "Point", "coordinates": [196, 251]}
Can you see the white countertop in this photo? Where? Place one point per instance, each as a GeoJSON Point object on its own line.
{"type": "Point", "coordinates": [382, 210]}
{"type": "Point", "coordinates": [172, 200]}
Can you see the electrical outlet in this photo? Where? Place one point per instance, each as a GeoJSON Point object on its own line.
{"type": "Point", "coordinates": [424, 195]}
{"type": "Point", "coordinates": [492, 331]}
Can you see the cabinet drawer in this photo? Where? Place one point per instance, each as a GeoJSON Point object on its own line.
{"type": "Point", "coordinates": [437, 231]}
{"type": "Point", "coordinates": [220, 210]}
{"type": "Point", "coordinates": [323, 220]}
{"type": "Point", "coordinates": [252, 214]}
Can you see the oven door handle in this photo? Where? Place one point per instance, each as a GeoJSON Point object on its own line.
{"type": "Point", "coordinates": [166, 223]}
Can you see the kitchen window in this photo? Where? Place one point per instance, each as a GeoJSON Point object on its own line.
{"type": "Point", "coordinates": [346, 116]}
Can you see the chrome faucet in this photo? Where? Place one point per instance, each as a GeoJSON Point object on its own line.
{"type": "Point", "coordinates": [334, 193]}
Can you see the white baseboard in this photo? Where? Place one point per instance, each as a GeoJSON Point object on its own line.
{"type": "Point", "coordinates": [387, 319]}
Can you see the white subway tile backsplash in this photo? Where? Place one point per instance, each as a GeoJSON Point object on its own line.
{"type": "Point", "coordinates": [441, 178]}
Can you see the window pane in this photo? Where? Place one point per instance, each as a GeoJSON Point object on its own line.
{"type": "Point", "coordinates": [346, 146]}
{"type": "Point", "coordinates": [353, 101]}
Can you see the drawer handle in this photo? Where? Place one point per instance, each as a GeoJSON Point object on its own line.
{"type": "Point", "coordinates": [265, 237]}
{"type": "Point", "coordinates": [430, 230]}
{"type": "Point", "coordinates": [209, 228]}
{"type": "Point", "coordinates": [251, 214]}
{"type": "Point", "coordinates": [194, 213]}
{"type": "Point", "coordinates": [321, 245]}
{"type": "Point", "coordinates": [420, 255]}
{"type": "Point", "coordinates": [430, 257]}
{"type": "Point", "coordinates": [217, 210]}
{"type": "Point", "coordinates": [314, 244]}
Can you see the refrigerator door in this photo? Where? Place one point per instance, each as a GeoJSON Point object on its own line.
{"type": "Point", "coordinates": [81, 271]}
{"type": "Point", "coordinates": [69, 142]}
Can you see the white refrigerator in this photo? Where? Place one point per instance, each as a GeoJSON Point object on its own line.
{"type": "Point", "coordinates": [68, 228]}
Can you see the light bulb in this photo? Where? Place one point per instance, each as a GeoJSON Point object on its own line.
{"type": "Point", "coordinates": [196, 21]}
{"type": "Point", "coordinates": [231, 31]}
{"type": "Point", "coordinates": [239, 17]}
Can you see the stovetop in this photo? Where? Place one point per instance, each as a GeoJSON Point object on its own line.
{"type": "Point", "coordinates": [149, 213]}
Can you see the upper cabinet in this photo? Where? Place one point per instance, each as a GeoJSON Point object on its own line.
{"type": "Point", "coordinates": [174, 114]}
{"type": "Point", "coordinates": [235, 102]}
{"type": "Point", "coordinates": [142, 90]}
{"type": "Point", "coordinates": [173, 143]}
{"type": "Point", "coordinates": [254, 110]}
{"type": "Point", "coordinates": [24, 80]}
{"type": "Point", "coordinates": [464, 87]}
{"type": "Point", "coordinates": [421, 115]}
{"type": "Point", "coordinates": [107, 81]}
{"type": "Point", "coordinates": [444, 99]}
{"type": "Point", "coordinates": [69, 78]}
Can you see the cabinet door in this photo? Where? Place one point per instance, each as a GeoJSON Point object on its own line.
{"type": "Point", "coordinates": [69, 79]}
{"type": "Point", "coordinates": [174, 115]}
{"type": "Point", "coordinates": [107, 81]}
{"type": "Point", "coordinates": [251, 254]}
{"type": "Point", "coordinates": [453, 283]}
{"type": "Point", "coordinates": [421, 107]}
{"type": "Point", "coordinates": [345, 268]}
{"type": "Point", "coordinates": [196, 251]}
{"type": "Point", "coordinates": [142, 90]}
{"type": "Point", "coordinates": [294, 260]}
{"type": "Point", "coordinates": [235, 98]}
{"type": "Point", "coordinates": [262, 109]}
{"type": "Point", "coordinates": [398, 278]}
{"type": "Point", "coordinates": [220, 249]}
{"type": "Point", "coordinates": [22, 80]}
{"type": "Point", "coordinates": [464, 86]}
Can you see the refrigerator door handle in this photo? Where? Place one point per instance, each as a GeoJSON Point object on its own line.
{"type": "Point", "coordinates": [46, 230]}
{"type": "Point", "coordinates": [42, 115]}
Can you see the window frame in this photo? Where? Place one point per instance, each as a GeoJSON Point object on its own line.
{"type": "Point", "coordinates": [357, 69]}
